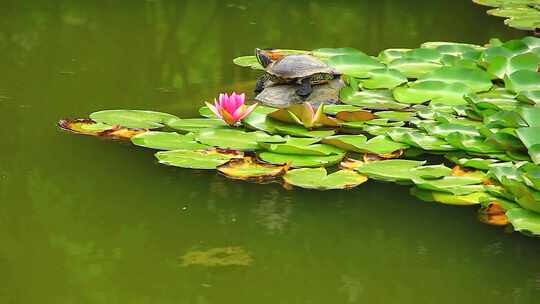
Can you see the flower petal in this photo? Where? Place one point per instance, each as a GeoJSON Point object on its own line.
{"type": "Point", "coordinates": [248, 111]}
{"type": "Point", "coordinates": [213, 108]}
{"type": "Point", "coordinates": [228, 118]}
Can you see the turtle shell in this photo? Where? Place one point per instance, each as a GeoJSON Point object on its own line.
{"type": "Point", "coordinates": [298, 66]}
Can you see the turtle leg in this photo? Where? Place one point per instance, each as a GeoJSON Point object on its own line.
{"type": "Point", "coordinates": [305, 88]}
{"type": "Point", "coordinates": [261, 82]}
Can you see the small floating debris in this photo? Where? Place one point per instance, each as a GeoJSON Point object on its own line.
{"type": "Point", "coordinates": [220, 256]}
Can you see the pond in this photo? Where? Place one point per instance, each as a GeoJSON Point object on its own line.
{"type": "Point", "coordinates": [90, 221]}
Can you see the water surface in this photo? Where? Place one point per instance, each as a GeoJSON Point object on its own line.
{"type": "Point", "coordinates": [89, 221]}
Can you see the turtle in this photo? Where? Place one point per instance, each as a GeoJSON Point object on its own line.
{"type": "Point", "coordinates": [302, 69]}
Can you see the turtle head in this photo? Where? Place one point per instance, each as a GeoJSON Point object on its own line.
{"type": "Point", "coordinates": [263, 56]}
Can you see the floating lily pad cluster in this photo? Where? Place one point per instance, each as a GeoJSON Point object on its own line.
{"type": "Point", "coordinates": [476, 106]}
{"type": "Point", "coordinates": [520, 14]}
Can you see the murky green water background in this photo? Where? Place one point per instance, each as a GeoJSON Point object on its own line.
{"type": "Point", "coordinates": [90, 221]}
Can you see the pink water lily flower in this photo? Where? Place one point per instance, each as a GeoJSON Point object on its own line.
{"type": "Point", "coordinates": [231, 108]}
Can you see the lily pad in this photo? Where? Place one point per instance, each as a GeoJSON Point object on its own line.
{"type": "Point", "coordinates": [235, 139]}
{"type": "Point", "coordinates": [198, 159]}
{"type": "Point", "coordinates": [331, 52]}
{"type": "Point", "coordinates": [292, 147]}
{"type": "Point", "coordinates": [167, 141]}
{"type": "Point", "coordinates": [501, 66]}
{"type": "Point", "coordinates": [414, 67]}
{"type": "Point", "coordinates": [356, 65]}
{"type": "Point", "coordinates": [390, 170]}
{"type": "Point", "coordinates": [301, 160]}
{"type": "Point", "coordinates": [132, 118]}
{"type": "Point", "coordinates": [475, 79]}
{"type": "Point", "coordinates": [248, 168]}
{"type": "Point", "coordinates": [371, 99]}
{"type": "Point", "coordinates": [524, 221]}
{"type": "Point", "coordinates": [196, 124]}
{"type": "Point", "coordinates": [384, 79]}
{"type": "Point", "coordinates": [90, 127]}
{"type": "Point", "coordinates": [297, 130]}
{"type": "Point", "coordinates": [318, 178]}
{"type": "Point", "coordinates": [523, 80]}
{"type": "Point", "coordinates": [449, 198]}
{"type": "Point", "coordinates": [357, 143]}
{"type": "Point", "coordinates": [434, 91]}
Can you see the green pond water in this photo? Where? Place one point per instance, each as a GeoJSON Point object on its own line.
{"type": "Point", "coordinates": [84, 220]}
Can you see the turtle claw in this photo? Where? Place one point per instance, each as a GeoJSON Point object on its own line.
{"type": "Point", "coordinates": [305, 88]}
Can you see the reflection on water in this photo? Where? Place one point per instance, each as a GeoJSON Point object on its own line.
{"type": "Point", "coordinates": [273, 211]}
{"type": "Point", "coordinates": [90, 221]}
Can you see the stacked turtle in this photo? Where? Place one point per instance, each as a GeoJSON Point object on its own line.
{"type": "Point", "coordinates": [295, 78]}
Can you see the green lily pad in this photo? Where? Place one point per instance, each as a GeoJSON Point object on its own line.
{"type": "Point", "coordinates": [356, 65]}
{"type": "Point", "coordinates": [501, 66]}
{"type": "Point", "coordinates": [531, 139]}
{"type": "Point", "coordinates": [475, 79]}
{"type": "Point", "coordinates": [301, 160]}
{"type": "Point", "coordinates": [413, 67]}
{"type": "Point", "coordinates": [524, 221]}
{"type": "Point", "coordinates": [531, 115]}
{"type": "Point", "coordinates": [427, 54]}
{"type": "Point", "coordinates": [235, 139]}
{"type": "Point", "coordinates": [384, 79]}
{"type": "Point", "coordinates": [331, 52]}
{"type": "Point", "coordinates": [465, 160]}
{"type": "Point", "coordinates": [132, 118]}
{"type": "Point", "coordinates": [523, 80]}
{"type": "Point", "coordinates": [195, 124]}
{"type": "Point", "coordinates": [294, 147]}
{"type": "Point", "coordinates": [198, 159]}
{"type": "Point", "coordinates": [390, 170]}
{"type": "Point", "coordinates": [318, 178]}
{"type": "Point", "coordinates": [357, 143]}
{"type": "Point", "coordinates": [334, 109]}
{"type": "Point", "coordinates": [248, 62]}
{"type": "Point", "coordinates": [259, 121]}
{"type": "Point", "coordinates": [504, 119]}
{"type": "Point", "coordinates": [449, 198]}
{"type": "Point", "coordinates": [531, 97]}
{"type": "Point", "coordinates": [430, 172]}
{"type": "Point", "coordinates": [167, 141]}
{"type": "Point", "coordinates": [297, 130]}
{"type": "Point", "coordinates": [471, 143]}
{"type": "Point", "coordinates": [371, 99]}
{"type": "Point", "coordinates": [390, 55]}
{"type": "Point", "coordinates": [444, 129]}
{"type": "Point", "coordinates": [420, 140]}
{"type": "Point", "coordinates": [395, 115]}
{"type": "Point", "coordinates": [252, 62]}
{"type": "Point", "coordinates": [458, 185]}
{"type": "Point", "coordinates": [434, 91]}
{"type": "Point", "coordinates": [462, 47]}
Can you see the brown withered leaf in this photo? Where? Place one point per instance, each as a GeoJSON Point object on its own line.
{"type": "Point", "coordinates": [355, 115]}
{"type": "Point", "coordinates": [376, 157]}
{"type": "Point", "coordinates": [249, 168]}
{"type": "Point", "coordinates": [493, 214]}
{"type": "Point", "coordinates": [350, 164]}
{"type": "Point", "coordinates": [87, 126]}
